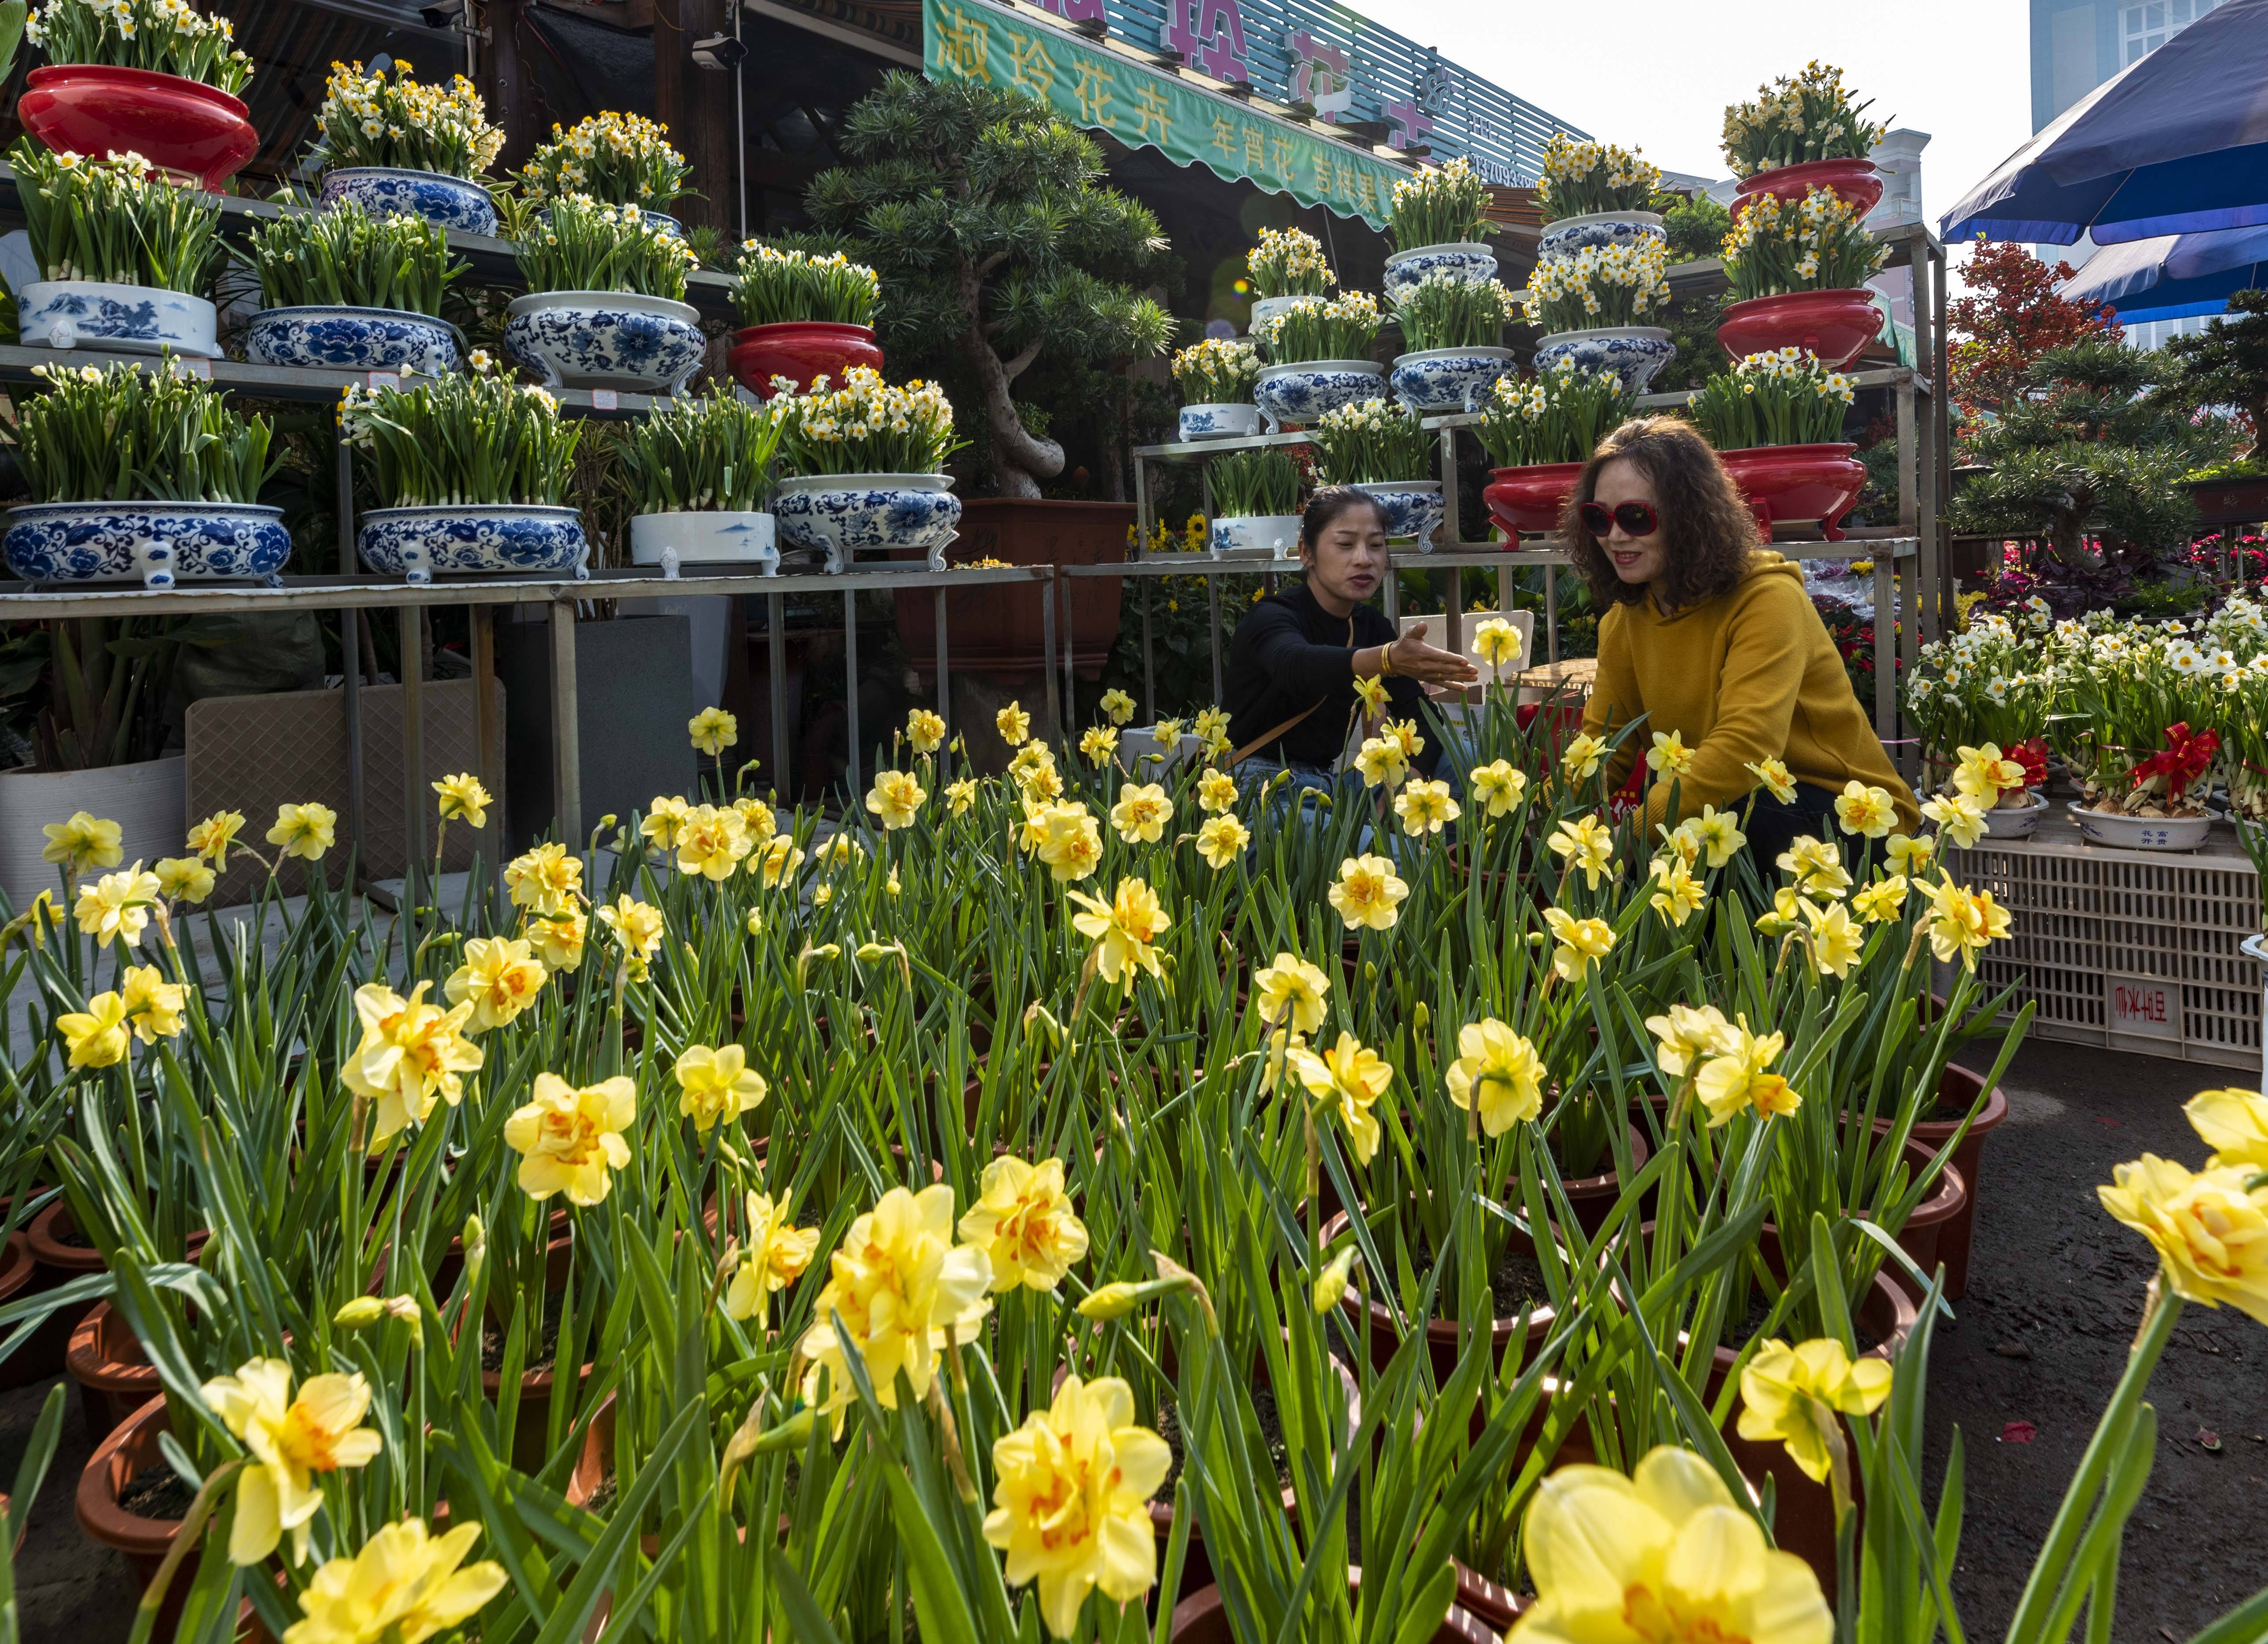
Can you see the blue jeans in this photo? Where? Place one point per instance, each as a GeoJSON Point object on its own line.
{"type": "Point", "coordinates": [1773, 827]}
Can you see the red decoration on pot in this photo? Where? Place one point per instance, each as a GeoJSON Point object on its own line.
{"type": "Point", "coordinates": [1787, 484]}
{"type": "Point", "coordinates": [2182, 761]}
{"type": "Point", "coordinates": [2033, 756]}
{"type": "Point", "coordinates": [1836, 325]}
{"type": "Point", "coordinates": [804, 349]}
{"type": "Point", "coordinates": [183, 127]}
{"type": "Point", "coordinates": [1530, 498]}
{"type": "Point", "coordinates": [1854, 182]}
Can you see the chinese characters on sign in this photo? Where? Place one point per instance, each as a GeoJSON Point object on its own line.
{"type": "Point", "coordinates": [970, 39]}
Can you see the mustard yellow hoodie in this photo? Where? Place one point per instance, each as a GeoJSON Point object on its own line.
{"type": "Point", "coordinates": [1746, 676]}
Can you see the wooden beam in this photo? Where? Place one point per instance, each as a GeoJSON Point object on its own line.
{"type": "Point", "coordinates": [508, 83]}
{"type": "Point", "coordinates": [709, 138]}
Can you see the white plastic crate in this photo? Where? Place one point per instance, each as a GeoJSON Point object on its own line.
{"type": "Point", "coordinates": [2133, 950]}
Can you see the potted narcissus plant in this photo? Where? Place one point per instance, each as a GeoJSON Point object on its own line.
{"type": "Point", "coordinates": [700, 470]}
{"type": "Point", "coordinates": [1598, 307]}
{"type": "Point", "coordinates": [392, 143]}
{"type": "Point", "coordinates": [1318, 359]}
{"type": "Point", "coordinates": [1539, 431]}
{"type": "Point", "coordinates": [615, 158]}
{"type": "Point", "coordinates": [1777, 420]}
{"type": "Point", "coordinates": [1215, 376]}
{"type": "Point", "coordinates": [1802, 134]}
{"type": "Point", "coordinates": [1436, 220]}
{"type": "Point", "coordinates": [1799, 269]}
{"type": "Point", "coordinates": [1595, 193]}
{"type": "Point", "coordinates": [1256, 500]}
{"type": "Point", "coordinates": [866, 471]}
{"type": "Point", "coordinates": [343, 290]}
{"type": "Point", "coordinates": [148, 78]}
{"type": "Point", "coordinates": [124, 257]}
{"type": "Point", "coordinates": [605, 305]}
{"type": "Point", "coordinates": [472, 472]}
{"type": "Point", "coordinates": [1287, 268]}
{"type": "Point", "coordinates": [1453, 342]}
{"type": "Point", "coordinates": [803, 316]}
{"type": "Point", "coordinates": [1386, 451]}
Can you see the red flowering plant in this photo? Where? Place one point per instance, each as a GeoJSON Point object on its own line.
{"type": "Point", "coordinates": [2146, 703]}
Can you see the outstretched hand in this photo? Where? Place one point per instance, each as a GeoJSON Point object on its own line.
{"type": "Point", "coordinates": [1428, 665]}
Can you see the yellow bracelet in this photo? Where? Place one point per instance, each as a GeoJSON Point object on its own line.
{"type": "Point", "coordinates": [1386, 661]}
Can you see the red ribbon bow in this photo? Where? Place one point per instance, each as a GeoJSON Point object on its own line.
{"type": "Point", "coordinates": [2033, 756]}
{"type": "Point", "coordinates": [2182, 762]}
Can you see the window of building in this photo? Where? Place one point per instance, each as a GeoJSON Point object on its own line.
{"type": "Point", "coordinates": [2151, 24]}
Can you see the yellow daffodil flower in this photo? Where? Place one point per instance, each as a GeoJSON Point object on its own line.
{"type": "Point", "coordinates": [1836, 937]}
{"type": "Point", "coordinates": [1687, 1034]}
{"type": "Point", "coordinates": [715, 1083]}
{"type": "Point", "coordinates": [713, 731]}
{"type": "Point", "coordinates": [777, 861]}
{"type": "Point", "coordinates": [1382, 762]}
{"type": "Point", "coordinates": [569, 1140]}
{"type": "Point", "coordinates": [1664, 1556]}
{"type": "Point", "coordinates": [960, 796]}
{"type": "Point", "coordinates": [96, 1036]}
{"type": "Point", "coordinates": [412, 1052]}
{"type": "Point", "coordinates": [1773, 778]}
{"type": "Point", "coordinates": [1500, 1071]}
{"type": "Point", "coordinates": [1367, 895]}
{"type": "Point", "coordinates": [1882, 901]}
{"type": "Point", "coordinates": [306, 830]}
{"type": "Point", "coordinates": [1211, 724]}
{"type": "Point", "coordinates": [925, 730]}
{"type": "Point", "coordinates": [1370, 689]}
{"type": "Point", "coordinates": [1125, 929]}
{"type": "Point", "coordinates": [1965, 921]}
{"type": "Point", "coordinates": [1960, 819]}
{"type": "Point", "coordinates": [1347, 1080]}
{"type": "Point", "coordinates": [1024, 1223]}
{"type": "Point", "coordinates": [183, 878]}
{"type": "Point", "coordinates": [1738, 1076]}
{"type": "Point", "coordinates": [86, 841]}
{"type": "Point", "coordinates": [291, 1440]}
{"type": "Point", "coordinates": [1070, 844]}
{"type": "Point", "coordinates": [1668, 756]}
{"type": "Point", "coordinates": [712, 842]}
{"type": "Point", "coordinates": [1908, 856]}
{"type": "Point", "coordinates": [558, 940]}
{"type": "Point", "coordinates": [1983, 774]}
{"type": "Point", "coordinates": [213, 837]}
{"type": "Point", "coordinates": [1498, 786]}
{"type": "Point", "coordinates": [501, 978]}
{"type": "Point", "coordinates": [1581, 943]}
{"type": "Point", "coordinates": [775, 1254]}
{"type": "Point", "coordinates": [1586, 844]}
{"type": "Point", "coordinates": [664, 819]}
{"type": "Point", "coordinates": [1816, 865]}
{"type": "Point", "coordinates": [2234, 1124]}
{"type": "Point", "coordinates": [1580, 758]}
{"type": "Point", "coordinates": [1098, 743]}
{"type": "Point", "coordinates": [1425, 808]}
{"type": "Point", "coordinates": [1221, 840]}
{"type": "Point", "coordinates": [402, 1588]}
{"type": "Point", "coordinates": [1142, 813]}
{"type": "Point", "coordinates": [1071, 1501]}
{"type": "Point", "coordinates": [1216, 792]}
{"type": "Point", "coordinates": [1013, 723]}
{"type": "Point", "coordinates": [639, 926]}
{"type": "Point", "coordinates": [1795, 1395]}
{"type": "Point", "coordinates": [1719, 833]}
{"type": "Point", "coordinates": [1677, 895]}
{"type": "Point", "coordinates": [153, 1005]}
{"type": "Point", "coordinates": [1866, 810]}
{"type": "Point", "coordinates": [1117, 705]}
{"type": "Point", "coordinates": [463, 795]}
{"type": "Point", "coordinates": [545, 880]}
{"type": "Point", "coordinates": [2210, 1231]}
{"type": "Point", "coordinates": [899, 1283]}
{"type": "Point", "coordinates": [895, 798]}
{"type": "Point", "coordinates": [117, 905]}
{"type": "Point", "coordinates": [1291, 987]}
{"type": "Point", "coordinates": [1497, 643]}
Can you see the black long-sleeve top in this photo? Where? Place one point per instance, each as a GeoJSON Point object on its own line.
{"type": "Point", "coordinates": [1288, 653]}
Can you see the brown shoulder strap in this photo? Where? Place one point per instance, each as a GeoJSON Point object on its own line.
{"type": "Point", "coordinates": [1275, 735]}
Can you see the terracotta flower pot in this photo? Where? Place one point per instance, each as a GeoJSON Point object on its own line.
{"type": "Point", "coordinates": [1834, 324]}
{"type": "Point", "coordinates": [115, 1378]}
{"type": "Point", "coordinates": [1798, 485]}
{"type": "Point", "coordinates": [1202, 1618]}
{"type": "Point", "coordinates": [801, 349]}
{"type": "Point", "coordinates": [1441, 1334]}
{"type": "Point", "coordinates": [21, 1275]}
{"type": "Point", "coordinates": [1922, 1236]}
{"type": "Point", "coordinates": [130, 1449]}
{"type": "Point", "coordinates": [181, 126]}
{"type": "Point", "coordinates": [1853, 181]}
{"type": "Point", "coordinates": [1530, 498]}
{"type": "Point", "coordinates": [52, 1239]}
{"type": "Point", "coordinates": [1957, 1089]}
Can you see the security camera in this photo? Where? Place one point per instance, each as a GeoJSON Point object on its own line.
{"type": "Point", "coordinates": [443, 14]}
{"type": "Point", "coordinates": [719, 51]}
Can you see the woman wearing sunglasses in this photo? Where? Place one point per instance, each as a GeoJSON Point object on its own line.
{"type": "Point", "coordinates": [1710, 635]}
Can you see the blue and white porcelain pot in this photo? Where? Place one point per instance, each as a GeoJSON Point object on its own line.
{"type": "Point", "coordinates": [1447, 379]}
{"type": "Point", "coordinates": [604, 339]}
{"type": "Point", "coordinates": [853, 516]}
{"type": "Point", "coordinates": [707, 536]}
{"type": "Point", "coordinates": [1467, 260]}
{"type": "Point", "coordinates": [154, 543]}
{"type": "Point", "coordinates": [1255, 535]}
{"type": "Point", "coordinates": [352, 339]}
{"type": "Point", "coordinates": [1265, 308]}
{"type": "Point", "coordinates": [1633, 353]}
{"type": "Point", "coordinates": [455, 203]}
{"type": "Point", "coordinates": [661, 220]}
{"type": "Point", "coordinates": [524, 539]}
{"type": "Point", "coordinates": [125, 319]}
{"type": "Point", "coordinates": [1565, 236]}
{"type": "Point", "coordinates": [1303, 392]}
{"type": "Point", "coordinates": [1219, 420]}
{"type": "Point", "coordinates": [1413, 508]}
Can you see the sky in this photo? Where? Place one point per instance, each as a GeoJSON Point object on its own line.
{"type": "Point", "coordinates": [1656, 75]}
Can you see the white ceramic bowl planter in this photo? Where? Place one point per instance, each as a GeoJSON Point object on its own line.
{"type": "Point", "coordinates": [1255, 536]}
{"type": "Point", "coordinates": [860, 519]}
{"type": "Point", "coordinates": [604, 339]}
{"type": "Point", "coordinates": [707, 536]}
{"type": "Point", "coordinates": [2015, 822]}
{"type": "Point", "coordinates": [1467, 260]}
{"type": "Point", "coordinates": [125, 319]}
{"type": "Point", "coordinates": [1266, 308]}
{"type": "Point", "coordinates": [455, 203]}
{"type": "Point", "coordinates": [2140, 833]}
{"type": "Point", "coordinates": [1219, 420]}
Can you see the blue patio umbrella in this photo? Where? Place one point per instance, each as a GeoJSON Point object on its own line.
{"type": "Point", "coordinates": [2172, 276]}
{"type": "Point", "coordinates": [2176, 143]}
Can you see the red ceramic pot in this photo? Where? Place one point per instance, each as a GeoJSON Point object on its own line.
{"type": "Point", "coordinates": [1853, 181]}
{"type": "Point", "coordinates": [1530, 498]}
{"type": "Point", "coordinates": [1798, 485]}
{"type": "Point", "coordinates": [114, 1377]}
{"type": "Point", "coordinates": [183, 127]}
{"type": "Point", "coordinates": [1836, 325]}
{"type": "Point", "coordinates": [800, 348]}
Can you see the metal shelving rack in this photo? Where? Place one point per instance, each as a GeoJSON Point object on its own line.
{"type": "Point", "coordinates": [1912, 570]}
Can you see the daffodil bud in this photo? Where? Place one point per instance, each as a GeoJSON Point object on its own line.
{"type": "Point", "coordinates": [869, 952]}
{"type": "Point", "coordinates": [476, 1239]}
{"type": "Point", "coordinates": [1332, 1284]}
{"type": "Point", "coordinates": [359, 1314]}
{"type": "Point", "coordinates": [406, 1309]}
{"type": "Point", "coordinates": [1114, 1301]}
{"type": "Point", "coordinates": [756, 921]}
{"type": "Point", "coordinates": [828, 950]}
{"type": "Point", "coordinates": [1421, 1018]}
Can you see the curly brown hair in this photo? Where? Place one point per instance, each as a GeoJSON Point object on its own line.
{"type": "Point", "coordinates": [1707, 529]}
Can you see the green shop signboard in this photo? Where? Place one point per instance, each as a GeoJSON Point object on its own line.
{"type": "Point", "coordinates": [1096, 87]}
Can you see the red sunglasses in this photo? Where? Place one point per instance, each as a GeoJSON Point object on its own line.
{"type": "Point", "coordinates": [1637, 518]}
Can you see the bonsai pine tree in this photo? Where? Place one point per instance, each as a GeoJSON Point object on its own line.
{"type": "Point", "coordinates": [2089, 443]}
{"type": "Point", "coordinates": [2226, 363]}
{"type": "Point", "coordinates": [997, 241]}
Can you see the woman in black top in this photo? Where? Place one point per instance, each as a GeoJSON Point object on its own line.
{"type": "Point", "coordinates": [1293, 665]}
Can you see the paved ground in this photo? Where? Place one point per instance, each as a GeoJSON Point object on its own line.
{"type": "Point", "coordinates": [2054, 1298]}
